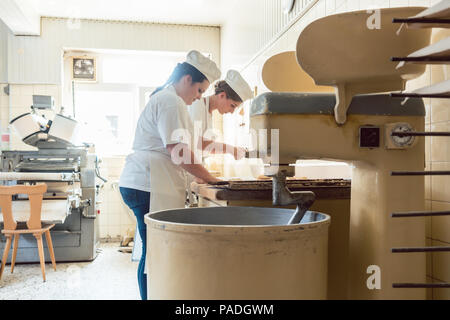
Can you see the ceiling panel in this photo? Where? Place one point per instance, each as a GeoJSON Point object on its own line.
{"type": "Point", "coordinates": [202, 12]}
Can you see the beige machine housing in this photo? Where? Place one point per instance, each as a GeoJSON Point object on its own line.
{"type": "Point", "coordinates": [352, 51]}
{"type": "Point", "coordinates": [307, 129]}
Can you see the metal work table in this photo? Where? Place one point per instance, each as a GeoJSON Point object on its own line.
{"type": "Point", "coordinates": [261, 190]}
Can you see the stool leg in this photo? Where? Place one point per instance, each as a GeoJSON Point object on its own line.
{"type": "Point", "coordinates": [14, 253]}
{"type": "Point", "coordinates": [5, 254]}
{"type": "Point", "coordinates": [41, 253]}
{"type": "Point", "coordinates": [50, 248]}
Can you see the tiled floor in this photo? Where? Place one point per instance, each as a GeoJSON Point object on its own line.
{"type": "Point", "coordinates": [111, 276]}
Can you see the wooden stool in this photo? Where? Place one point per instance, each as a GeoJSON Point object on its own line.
{"type": "Point", "coordinates": [33, 225]}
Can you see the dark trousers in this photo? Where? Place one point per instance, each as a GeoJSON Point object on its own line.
{"type": "Point", "coordinates": [139, 202]}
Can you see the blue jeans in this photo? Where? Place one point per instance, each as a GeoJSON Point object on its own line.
{"type": "Point", "coordinates": [139, 202]}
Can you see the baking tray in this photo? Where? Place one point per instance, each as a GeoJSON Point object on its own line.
{"type": "Point", "coordinates": [290, 183]}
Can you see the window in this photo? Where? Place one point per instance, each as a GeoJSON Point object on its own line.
{"type": "Point", "coordinates": [108, 110]}
{"type": "Point", "coordinates": [143, 70]}
{"type": "Point", "coordinates": [107, 115]}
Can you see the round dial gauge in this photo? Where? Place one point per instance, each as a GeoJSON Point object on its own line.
{"type": "Point", "coordinates": [402, 141]}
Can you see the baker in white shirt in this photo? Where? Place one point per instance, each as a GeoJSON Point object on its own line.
{"type": "Point", "coordinates": [153, 177]}
{"type": "Point", "coordinates": [228, 95]}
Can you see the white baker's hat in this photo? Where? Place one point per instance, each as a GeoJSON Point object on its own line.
{"type": "Point", "coordinates": [204, 65]}
{"type": "Point", "coordinates": [239, 85]}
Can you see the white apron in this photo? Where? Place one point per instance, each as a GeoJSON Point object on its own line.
{"type": "Point", "coordinates": [198, 111]}
{"type": "Point", "coordinates": [167, 183]}
{"type": "Point", "coordinates": [167, 189]}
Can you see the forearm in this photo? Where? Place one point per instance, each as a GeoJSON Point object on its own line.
{"type": "Point", "coordinates": [189, 162]}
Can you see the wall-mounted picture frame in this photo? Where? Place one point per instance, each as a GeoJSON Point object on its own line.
{"type": "Point", "coordinates": [84, 68]}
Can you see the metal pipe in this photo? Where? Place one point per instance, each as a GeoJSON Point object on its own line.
{"type": "Point", "coordinates": [419, 214]}
{"type": "Point", "coordinates": [420, 249]}
{"type": "Point", "coordinates": [9, 131]}
{"type": "Point", "coordinates": [420, 20]}
{"type": "Point", "coordinates": [420, 173]}
{"type": "Point", "coordinates": [421, 285]}
{"type": "Point", "coordinates": [422, 59]}
{"type": "Point", "coordinates": [420, 134]}
{"type": "Point", "coordinates": [418, 95]}
{"type": "Point", "coordinates": [73, 98]}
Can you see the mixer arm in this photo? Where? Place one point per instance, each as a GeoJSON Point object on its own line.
{"type": "Point", "coordinates": [304, 200]}
{"type": "Point", "coordinates": [282, 196]}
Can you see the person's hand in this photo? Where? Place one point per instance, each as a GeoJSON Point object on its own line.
{"type": "Point", "coordinates": [239, 153]}
{"type": "Point", "coordinates": [213, 180]}
{"type": "Point", "coordinates": [199, 180]}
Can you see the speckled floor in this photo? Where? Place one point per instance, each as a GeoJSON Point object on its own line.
{"type": "Point", "coordinates": [111, 276]}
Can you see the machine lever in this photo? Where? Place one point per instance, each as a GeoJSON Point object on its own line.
{"type": "Point", "coordinates": [420, 249]}
{"type": "Point", "coordinates": [421, 20]}
{"type": "Point", "coordinates": [420, 134]}
{"type": "Point", "coordinates": [421, 59]}
{"type": "Point", "coordinates": [421, 285]}
{"type": "Point", "coordinates": [419, 214]}
{"type": "Point", "coordinates": [420, 95]}
{"type": "Point", "coordinates": [282, 196]}
{"type": "Point", "coordinates": [420, 173]}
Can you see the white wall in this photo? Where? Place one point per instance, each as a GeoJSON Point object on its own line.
{"type": "Point", "coordinates": [3, 52]}
{"type": "Point", "coordinates": [254, 25]}
{"type": "Point", "coordinates": [38, 59]}
{"type": "Point", "coordinates": [116, 219]}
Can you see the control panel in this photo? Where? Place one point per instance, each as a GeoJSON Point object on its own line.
{"type": "Point", "coordinates": [369, 136]}
{"type": "Point", "coordinates": [398, 141]}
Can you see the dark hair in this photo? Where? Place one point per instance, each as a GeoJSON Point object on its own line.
{"type": "Point", "coordinates": [179, 72]}
{"type": "Point", "coordinates": [223, 86]}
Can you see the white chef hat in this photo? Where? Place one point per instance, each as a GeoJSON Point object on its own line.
{"type": "Point", "coordinates": [204, 65]}
{"type": "Point", "coordinates": [239, 85]}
